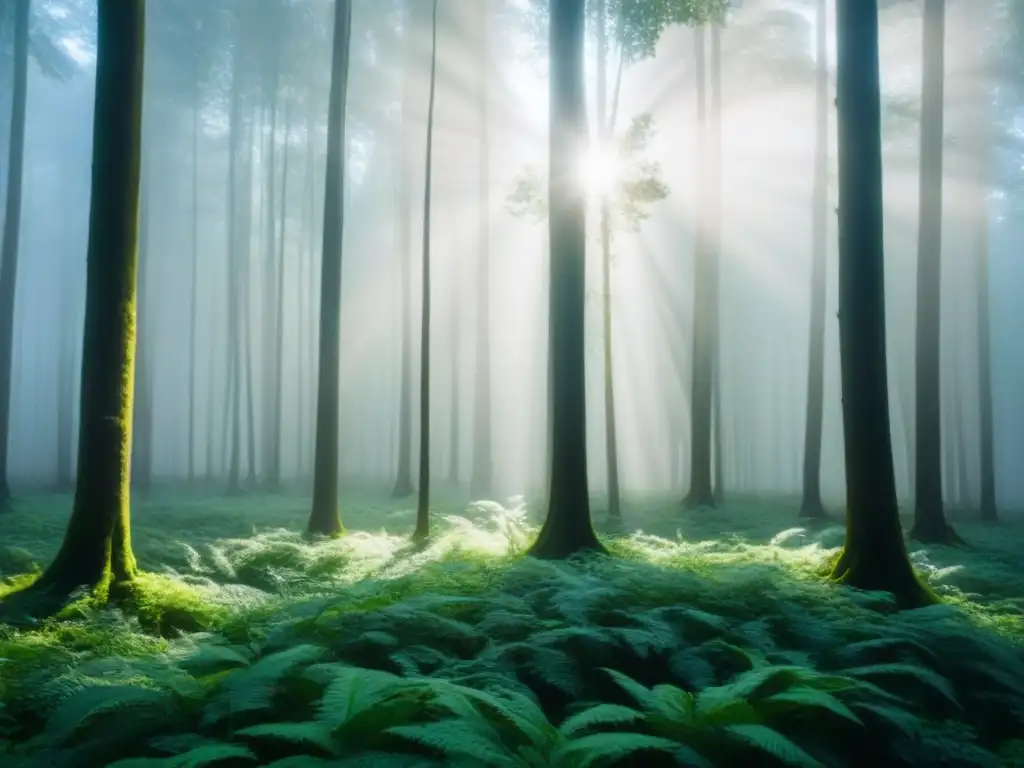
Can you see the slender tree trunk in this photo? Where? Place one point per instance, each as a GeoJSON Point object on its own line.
{"type": "Point", "coordinates": [269, 310]}
{"type": "Point", "coordinates": [245, 275]}
{"type": "Point", "coordinates": [701, 494]}
{"type": "Point", "coordinates": [276, 445]}
{"type": "Point", "coordinates": [422, 531]}
{"type": "Point", "coordinates": [11, 236]}
{"type": "Point", "coordinates": [482, 481]}
{"type": "Point", "coordinates": [604, 129]}
{"type": "Point", "coordinates": [142, 444]}
{"type": "Point", "coordinates": [929, 517]}
{"type": "Point", "coordinates": [874, 555]}
{"type": "Point", "coordinates": [986, 432]}
{"type": "Point", "coordinates": [715, 252]}
{"type": "Point", "coordinates": [194, 294]}
{"type": "Point", "coordinates": [568, 528]}
{"type": "Point", "coordinates": [97, 545]}
{"type": "Point", "coordinates": [324, 518]}
{"type": "Point", "coordinates": [811, 506]}
{"type": "Point", "coordinates": [453, 426]}
{"type": "Point", "coordinates": [234, 308]}
{"type": "Point", "coordinates": [403, 482]}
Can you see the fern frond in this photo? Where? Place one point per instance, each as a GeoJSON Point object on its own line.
{"type": "Point", "coordinates": [599, 715]}
{"type": "Point", "coordinates": [806, 701]}
{"type": "Point", "coordinates": [85, 705]}
{"type": "Point", "coordinates": [459, 739]}
{"type": "Point", "coordinates": [604, 748]}
{"type": "Point", "coordinates": [307, 736]}
{"type": "Point", "coordinates": [925, 677]}
{"type": "Point", "coordinates": [772, 743]}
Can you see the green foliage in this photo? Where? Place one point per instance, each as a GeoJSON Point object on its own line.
{"type": "Point", "coordinates": [638, 186]}
{"type": "Point", "coordinates": [691, 650]}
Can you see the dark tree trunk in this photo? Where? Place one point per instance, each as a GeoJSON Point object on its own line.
{"type": "Point", "coordinates": [324, 518]}
{"type": "Point", "coordinates": [811, 506]}
{"type": "Point", "coordinates": [929, 517]}
{"type": "Point", "coordinates": [422, 531]}
{"type": "Point", "coordinates": [97, 551]}
{"type": "Point", "coordinates": [701, 493]}
{"type": "Point", "coordinates": [66, 398]}
{"type": "Point", "coordinates": [482, 480]}
{"type": "Point", "coordinates": [568, 528]}
{"type": "Point", "coordinates": [988, 475]}
{"type": "Point", "coordinates": [12, 231]}
{"type": "Point", "coordinates": [874, 555]}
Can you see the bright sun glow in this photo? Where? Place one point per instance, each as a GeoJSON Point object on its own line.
{"type": "Point", "coordinates": [600, 170]}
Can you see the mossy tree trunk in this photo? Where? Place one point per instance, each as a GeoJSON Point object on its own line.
{"type": "Point", "coordinates": [324, 518]}
{"type": "Point", "coordinates": [11, 236]}
{"type": "Point", "coordinates": [812, 506]}
{"type": "Point", "coordinates": [422, 531]}
{"type": "Point", "coordinates": [929, 516]}
{"type": "Point", "coordinates": [874, 555]}
{"type": "Point", "coordinates": [568, 528]}
{"type": "Point", "coordinates": [482, 478]}
{"type": "Point", "coordinates": [142, 412]}
{"type": "Point", "coordinates": [233, 385]}
{"type": "Point", "coordinates": [701, 493]}
{"type": "Point", "coordinates": [97, 545]}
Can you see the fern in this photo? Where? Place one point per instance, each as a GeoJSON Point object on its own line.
{"type": "Point", "coordinates": [313, 737]}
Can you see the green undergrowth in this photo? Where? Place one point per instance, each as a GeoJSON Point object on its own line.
{"type": "Point", "coordinates": [691, 649]}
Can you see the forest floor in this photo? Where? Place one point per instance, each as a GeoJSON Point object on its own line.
{"type": "Point", "coordinates": [712, 638]}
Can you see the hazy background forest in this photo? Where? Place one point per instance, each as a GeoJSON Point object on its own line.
{"type": "Point", "coordinates": [282, 50]}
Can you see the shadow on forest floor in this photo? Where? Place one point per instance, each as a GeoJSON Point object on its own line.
{"type": "Point", "coordinates": [463, 653]}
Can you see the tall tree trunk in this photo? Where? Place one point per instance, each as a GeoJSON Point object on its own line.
{"type": "Point", "coordinates": [277, 446]}
{"type": "Point", "coordinates": [324, 518]}
{"type": "Point", "coordinates": [701, 494]}
{"type": "Point", "coordinates": [422, 531]}
{"type": "Point", "coordinates": [142, 427]}
{"type": "Point", "coordinates": [604, 129]}
{"type": "Point", "coordinates": [568, 528]}
{"type": "Point", "coordinates": [482, 480]}
{"type": "Point", "coordinates": [403, 482]}
{"type": "Point", "coordinates": [929, 517]}
{"type": "Point", "coordinates": [245, 275]}
{"type": "Point", "coordinates": [12, 231]}
{"type": "Point", "coordinates": [194, 293]}
{"type": "Point", "coordinates": [268, 325]}
{"type": "Point", "coordinates": [811, 506]}
{"type": "Point", "coordinates": [715, 255]}
{"type": "Point", "coordinates": [984, 341]}
{"type": "Point", "coordinates": [304, 303]}
{"type": "Point", "coordinates": [453, 426]}
{"type": "Point", "coordinates": [97, 545]}
{"type": "Point", "coordinates": [874, 555]}
{"type": "Point", "coordinates": [234, 304]}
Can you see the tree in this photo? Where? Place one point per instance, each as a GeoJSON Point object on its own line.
{"type": "Point", "coordinates": [567, 528]}
{"type": "Point", "coordinates": [874, 555]}
{"type": "Point", "coordinates": [812, 506]}
{"type": "Point", "coordinates": [12, 230]}
{"type": "Point", "coordinates": [423, 499]}
{"type": "Point", "coordinates": [96, 550]}
{"type": "Point", "coordinates": [482, 477]}
{"type": "Point", "coordinates": [324, 518]}
{"type": "Point", "coordinates": [929, 517]}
